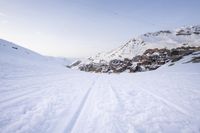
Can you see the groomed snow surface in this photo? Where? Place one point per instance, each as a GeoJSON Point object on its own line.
{"type": "Point", "coordinates": [41, 97]}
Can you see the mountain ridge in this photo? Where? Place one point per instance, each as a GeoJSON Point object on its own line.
{"type": "Point", "coordinates": [188, 36]}
{"type": "Point", "coordinates": [166, 38]}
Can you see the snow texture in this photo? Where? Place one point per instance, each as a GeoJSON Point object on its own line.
{"type": "Point", "coordinates": [41, 96]}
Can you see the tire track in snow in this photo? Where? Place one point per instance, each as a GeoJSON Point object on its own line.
{"type": "Point", "coordinates": [76, 115]}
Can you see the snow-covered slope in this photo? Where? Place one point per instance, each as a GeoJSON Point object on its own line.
{"type": "Point", "coordinates": [185, 36]}
{"type": "Point", "coordinates": [10, 51]}
{"type": "Point", "coordinates": [56, 100]}
{"type": "Point", "coordinates": [62, 60]}
{"type": "Point", "coordinates": [42, 96]}
{"type": "Point", "coordinates": [21, 59]}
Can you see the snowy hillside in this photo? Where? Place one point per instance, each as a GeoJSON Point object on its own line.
{"type": "Point", "coordinates": [185, 36]}
{"type": "Point", "coordinates": [21, 59]}
{"type": "Point", "coordinates": [10, 51]}
{"type": "Point", "coordinates": [41, 97]}
{"type": "Point", "coordinates": [144, 51]}
{"type": "Point", "coordinates": [22, 54]}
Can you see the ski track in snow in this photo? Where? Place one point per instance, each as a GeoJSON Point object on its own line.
{"type": "Point", "coordinates": [78, 112]}
{"type": "Point", "coordinates": [101, 110]}
{"type": "Point", "coordinates": [75, 102]}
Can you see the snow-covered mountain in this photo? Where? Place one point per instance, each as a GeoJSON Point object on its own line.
{"type": "Point", "coordinates": [21, 59]}
{"type": "Point", "coordinates": [38, 95]}
{"type": "Point", "coordinates": [185, 36]}
{"type": "Point", "coordinates": [167, 39]}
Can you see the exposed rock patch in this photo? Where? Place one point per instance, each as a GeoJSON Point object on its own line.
{"type": "Point", "coordinates": [151, 59]}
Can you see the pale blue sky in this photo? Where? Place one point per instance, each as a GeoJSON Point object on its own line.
{"type": "Point", "coordinates": [80, 28]}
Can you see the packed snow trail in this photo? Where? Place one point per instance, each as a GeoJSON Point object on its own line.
{"type": "Point", "coordinates": [101, 111]}
{"type": "Point", "coordinates": [117, 105]}
{"type": "Point", "coordinates": [30, 104]}
{"type": "Point", "coordinates": [78, 111]}
{"type": "Point", "coordinates": [65, 101]}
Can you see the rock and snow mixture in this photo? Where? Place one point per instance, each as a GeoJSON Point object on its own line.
{"type": "Point", "coordinates": [147, 52]}
{"type": "Point", "coordinates": [39, 95]}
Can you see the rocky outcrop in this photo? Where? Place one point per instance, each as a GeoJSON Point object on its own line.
{"type": "Point", "coordinates": [74, 64]}
{"type": "Point", "coordinates": [188, 31]}
{"type": "Point", "coordinates": [158, 33]}
{"type": "Point", "coordinates": [151, 59]}
{"type": "Point", "coordinates": [95, 67]}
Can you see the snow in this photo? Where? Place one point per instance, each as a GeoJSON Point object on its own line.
{"type": "Point", "coordinates": [160, 39]}
{"type": "Point", "coordinates": [42, 96]}
{"type": "Point", "coordinates": [14, 54]}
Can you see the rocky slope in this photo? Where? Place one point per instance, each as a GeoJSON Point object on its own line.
{"type": "Point", "coordinates": [146, 52]}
